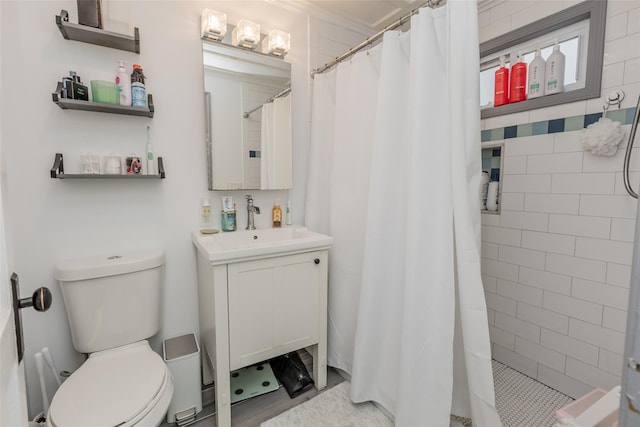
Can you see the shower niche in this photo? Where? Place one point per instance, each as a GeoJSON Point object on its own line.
{"type": "Point", "coordinates": [492, 165]}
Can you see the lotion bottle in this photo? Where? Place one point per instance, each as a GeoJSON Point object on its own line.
{"type": "Point", "coordinates": [537, 70]}
{"type": "Point", "coordinates": [518, 82]}
{"type": "Point", "coordinates": [123, 80]}
{"type": "Point", "coordinates": [501, 87]}
{"type": "Point", "coordinates": [276, 216]}
{"type": "Point", "coordinates": [206, 225]}
{"type": "Point", "coordinates": [555, 72]}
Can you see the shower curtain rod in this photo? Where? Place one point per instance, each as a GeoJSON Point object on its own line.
{"type": "Point", "coordinates": [376, 36]}
{"type": "Point", "coordinates": [277, 95]}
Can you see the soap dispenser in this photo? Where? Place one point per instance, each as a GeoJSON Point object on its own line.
{"type": "Point", "coordinates": [555, 71]}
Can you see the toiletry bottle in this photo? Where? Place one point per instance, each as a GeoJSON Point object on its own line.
{"type": "Point", "coordinates": [518, 82]}
{"type": "Point", "coordinates": [288, 214]}
{"type": "Point", "coordinates": [501, 88]}
{"type": "Point", "coordinates": [205, 217]}
{"type": "Point", "coordinates": [138, 91]}
{"type": "Point", "coordinates": [537, 68]}
{"type": "Point", "coordinates": [484, 188]}
{"type": "Point", "coordinates": [276, 215]}
{"type": "Point", "coordinates": [123, 80]}
{"type": "Point", "coordinates": [151, 169]}
{"type": "Point", "coordinates": [492, 196]}
{"type": "Point", "coordinates": [555, 72]}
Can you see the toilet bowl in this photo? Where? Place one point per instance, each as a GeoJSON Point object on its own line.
{"type": "Point", "coordinates": [125, 386]}
{"type": "Point", "coordinates": [113, 304]}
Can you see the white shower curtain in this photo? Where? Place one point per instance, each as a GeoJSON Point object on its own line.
{"type": "Point", "coordinates": [275, 144]}
{"type": "Point", "coordinates": [394, 177]}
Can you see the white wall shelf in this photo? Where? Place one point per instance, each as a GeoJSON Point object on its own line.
{"type": "Point", "coordinates": [97, 36]}
{"type": "Point", "coordinates": [57, 171]}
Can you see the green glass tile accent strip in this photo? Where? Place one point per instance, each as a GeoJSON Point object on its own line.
{"type": "Point", "coordinates": [541, 128]}
{"type": "Point", "coordinates": [525, 130]}
{"type": "Point", "coordinates": [497, 134]}
{"type": "Point", "coordinates": [630, 113]}
{"type": "Point", "coordinates": [573, 123]}
{"type": "Point", "coordinates": [617, 115]}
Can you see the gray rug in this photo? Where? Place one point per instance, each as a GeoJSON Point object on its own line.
{"type": "Point", "coordinates": [332, 408]}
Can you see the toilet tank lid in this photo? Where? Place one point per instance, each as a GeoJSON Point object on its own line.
{"type": "Point", "coordinates": [108, 265]}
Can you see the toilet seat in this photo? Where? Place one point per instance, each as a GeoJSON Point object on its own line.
{"type": "Point", "coordinates": [115, 387]}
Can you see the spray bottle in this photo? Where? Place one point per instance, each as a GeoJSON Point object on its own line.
{"type": "Point", "coordinates": [123, 80]}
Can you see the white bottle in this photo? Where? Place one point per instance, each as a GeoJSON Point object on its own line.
{"type": "Point", "coordinates": [555, 72]}
{"type": "Point", "coordinates": [484, 188]}
{"type": "Point", "coordinates": [151, 170]}
{"type": "Point", "coordinates": [288, 213]}
{"type": "Point", "coordinates": [123, 80]}
{"type": "Point", "coordinates": [537, 71]}
{"type": "Point", "coordinates": [492, 196]}
{"type": "Point", "coordinates": [206, 224]}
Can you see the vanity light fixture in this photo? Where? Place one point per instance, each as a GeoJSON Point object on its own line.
{"type": "Point", "coordinates": [213, 24]}
{"type": "Point", "coordinates": [276, 43]}
{"type": "Point", "coordinates": [246, 34]}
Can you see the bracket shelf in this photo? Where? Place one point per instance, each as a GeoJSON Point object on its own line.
{"type": "Point", "coordinates": [57, 171]}
{"type": "Point", "coordinates": [97, 36]}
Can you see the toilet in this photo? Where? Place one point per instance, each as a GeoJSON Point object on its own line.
{"type": "Point", "coordinates": [113, 304]}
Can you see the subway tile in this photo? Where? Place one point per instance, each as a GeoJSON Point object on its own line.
{"type": "Point", "coordinates": [518, 327]}
{"type": "Point", "coordinates": [618, 275]}
{"type": "Point", "coordinates": [512, 201]}
{"type": "Point", "coordinates": [543, 355]}
{"type": "Point", "coordinates": [593, 163]}
{"type": "Point", "coordinates": [573, 307]}
{"type": "Point", "coordinates": [515, 165]}
{"type": "Point", "coordinates": [578, 267]}
{"type": "Point", "coordinates": [608, 206]}
{"type": "Point", "coordinates": [548, 242]}
{"type": "Point", "coordinates": [613, 75]}
{"type": "Point", "coordinates": [541, 317]}
{"type": "Point", "coordinates": [497, 134]}
{"type": "Point", "coordinates": [527, 15]}
{"type": "Point", "coordinates": [611, 296]}
{"type": "Point", "coordinates": [525, 220]}
{"type": "Point", "coordinates": [588, 226]}
{"type": "Point", "coordinates": [567, 142]}
{"type": "Point", "coordinates": [490, 284]}
{"type": "Point", "coordinates": [489, 250]}
{"type": "Point", "coordinates": [518, 292]}
{"type": "Point", "coordinates": [520, 256]}
{"type": "Point", "coordinates": [591, 375]}
{"type": "Point", "coordinates": [634, 21]}
{"type": "Point", "coordinates": [617, 116]}
{"type": "Point", "coordinates": [618, 50]}
{"type": "Point", "coordinates": [558, 111]}
{"type": "Point", "coordinates": [516, 361]}
{"type": "Point", "coordinates": [614, 319]}
{"type": "Point", "coordinates": [616, 27]}
{"type": "Point", "coordinates": [500, 304]}
{"type": "Point", "coordinates": [525, 129]}
{"type": "Point", "coordinates": [620, 6]}
{"type": "Point", "coordinates": [490, 219]}
{"type": "Point", "coordinates": [631, 75]}
{"type": "Point", "coordinates": [500, 270]}
{"type": "Point", "coordinates": [537, 144]}
{"type": "Point", "coordinates": [491, 317]}
{"type": "Point", "coordinates": [502, 338]}
{"type": "Point", "coordinates": [504, 236]}
{"type": "Point", "coordinates": [564, 344]}
{"type": "Point", "coordinates": [604, 250]}
{"type": "Point", "coordinates": [552, 203]}
{"type": "Point", "coordinates": [545, 280]}
{"type": "Point", "coordinates": [583, 183]}
{"type": "Point", "coordinates": [526, 184]}
{"type": "Point", "coordinates": [597, 335]}
{"type": "Point", "coordinates": [555, 163]}
{"type": "Point", "coordinates": [562, 383]}
{"type": "Point", "coordinates": [623, 229]}
{"type": "Point", "coordinates": [610, 362]}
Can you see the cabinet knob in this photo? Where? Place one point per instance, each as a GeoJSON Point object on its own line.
{"type": "Point", "coordinates": [317, 260]}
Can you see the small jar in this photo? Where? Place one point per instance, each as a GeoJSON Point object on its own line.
{"type": "Point", "coordinates": [228, 220]}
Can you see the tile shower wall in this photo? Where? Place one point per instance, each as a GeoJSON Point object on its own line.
{"type": "Point", "coordinates": [556, 262]}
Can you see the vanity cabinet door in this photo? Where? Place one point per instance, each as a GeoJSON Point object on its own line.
{"type": "Point", "coordinates": [275, 306]}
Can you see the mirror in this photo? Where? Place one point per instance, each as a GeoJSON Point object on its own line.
{"type": "Point", "coordinates": [248, 119]}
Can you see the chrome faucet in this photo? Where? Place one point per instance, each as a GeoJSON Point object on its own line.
{"type": "Point", "coordinates": [250, 211]}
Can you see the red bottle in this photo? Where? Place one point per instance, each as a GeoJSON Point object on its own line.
{"type": "Point", "coordinates": [518, 81]}
{"type": "Point", "coordinates": [501, 86]}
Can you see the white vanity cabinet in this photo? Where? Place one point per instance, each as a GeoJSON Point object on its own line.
{"type": "Point", "coordinates": [256, 307]}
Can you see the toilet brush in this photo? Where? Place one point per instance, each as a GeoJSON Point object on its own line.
{"type": "Point", "coordinates": [43, 386]}
{"type": "Point", "coordinates": [52, 366]}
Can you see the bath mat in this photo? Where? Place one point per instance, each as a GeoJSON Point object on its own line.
{"type": "Point", "coordinates": [252, 381]}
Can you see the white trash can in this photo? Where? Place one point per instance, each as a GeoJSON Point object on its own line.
{"type": "Point", "coordinates": [182, 356]}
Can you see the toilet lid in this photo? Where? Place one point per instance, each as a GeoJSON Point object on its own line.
{"type": "Point", "coordinates": [110, 388]}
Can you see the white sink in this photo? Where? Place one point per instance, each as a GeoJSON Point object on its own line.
{"type": "Point", "coordinates": [240, 245]}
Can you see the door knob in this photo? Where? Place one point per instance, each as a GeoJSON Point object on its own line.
{"type": "Point", "coordinates": [40, 301]}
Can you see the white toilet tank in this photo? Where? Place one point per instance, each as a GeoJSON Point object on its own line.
{"type": "Point", "coordinates": [112, 300]}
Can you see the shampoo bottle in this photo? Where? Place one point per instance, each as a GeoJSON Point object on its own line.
{"type": "Point", "coordinates": [536, 76]}
{"type": "Point", "coordinates": [138, 90]}
{"type": "Point", "coordinates": [276, 216]}
{"type": "Point", "coordinates": [501, 87]}
{"type": "Point", "coordinates": [123, 80]}
{"type": "Point", "coordinates": [555, 72]}
{"type": "Point", "coordinates": [518, 82]}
